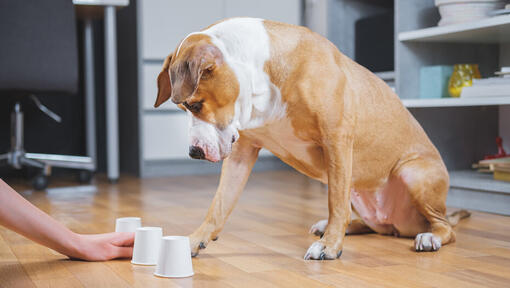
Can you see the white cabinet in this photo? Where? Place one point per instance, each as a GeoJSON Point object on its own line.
{"type": "Point", "coordinates": [150, 72]}
{"type": "Point", "coordinates": [166, 22]}
{"type": "Point", "coordinates": [165, 136]}
{"type": "Point", "coordinates": [159, 27]}
{"type": "Point", "coordinates": [288, 11]}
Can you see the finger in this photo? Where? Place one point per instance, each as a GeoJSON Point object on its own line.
{"type": "Point", "coordinates": [123, 238]}
{"type": "Point", "coordinates": [122, 252]}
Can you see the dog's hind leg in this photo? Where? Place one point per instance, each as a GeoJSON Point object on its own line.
{"type": "Point", "coordinates": [357, 226]}
{"type": "Point", "coordinates": [319, 227]}
{"type": "Point", "coordinates": [427, 183]}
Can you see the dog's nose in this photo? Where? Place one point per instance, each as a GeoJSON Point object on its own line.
{"type": "Point", "coordinates": [196, 152]}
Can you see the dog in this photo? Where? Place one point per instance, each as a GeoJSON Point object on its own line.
{"type": "Point", "coordinates": [250, 83]}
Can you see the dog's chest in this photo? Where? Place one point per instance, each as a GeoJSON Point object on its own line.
{"type": "Point", "coordinates": [280, 138]}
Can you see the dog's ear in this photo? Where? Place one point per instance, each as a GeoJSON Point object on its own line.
{"type": "Point", "coordinates": [204, 59]}
{"type": "Point", "coordinates": [164, 85]}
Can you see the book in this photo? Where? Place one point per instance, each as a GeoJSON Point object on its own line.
{"type": "Point", "coordinates": [502, 175]}
{"type": "Point", "coordinates": [502, 168]}
{"type": "Point", "coordinates": [491, 165]}
{"type": "Point", "coordinates": [495, 90]}
{"type": "Point", "coordinates": [491, 81]}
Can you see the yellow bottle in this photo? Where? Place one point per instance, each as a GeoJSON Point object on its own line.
{"type": "Point", "coordinates": [462, 76]}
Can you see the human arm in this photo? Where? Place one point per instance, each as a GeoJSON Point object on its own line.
{"type": "Point", "coordinates": [19, 215]}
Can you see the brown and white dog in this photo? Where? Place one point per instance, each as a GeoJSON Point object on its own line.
{"type": "Point", "coordinates": [251, 83]}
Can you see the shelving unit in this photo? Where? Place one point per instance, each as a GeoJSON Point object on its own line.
{"type": "Point", "coordinates": [494, 30]}
{"type": "Point", "coordinates": [463, 129]}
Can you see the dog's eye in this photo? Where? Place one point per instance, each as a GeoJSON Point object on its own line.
{"type": "Point", "coordinates": [206, 74]}
{"type": "Point", "coordinates": [193, 107]}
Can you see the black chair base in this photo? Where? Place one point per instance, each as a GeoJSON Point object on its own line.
{"type": "Point", "coordinates": [18, 158]}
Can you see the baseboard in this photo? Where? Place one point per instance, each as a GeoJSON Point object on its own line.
{"type": "Point", "coordinates": [162, 168]}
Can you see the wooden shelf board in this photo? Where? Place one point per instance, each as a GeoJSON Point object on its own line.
{"type": "Point", "coordinates": [490, 30]}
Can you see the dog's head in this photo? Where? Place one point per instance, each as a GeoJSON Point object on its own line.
{"type": "Point", "coordinates": [197, 78]}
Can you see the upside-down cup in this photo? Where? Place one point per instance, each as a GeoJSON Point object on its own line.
{"type": "Point", "coordinates": [146, 248]}
{"type": "Point", "coordinates": [174, 258]}
{"type": "Point", "coordinates": [127, 224]}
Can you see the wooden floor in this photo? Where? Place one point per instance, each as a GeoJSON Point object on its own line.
{"type": "Point", "coordinates": [262, 245]}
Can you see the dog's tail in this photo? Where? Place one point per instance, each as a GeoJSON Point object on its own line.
{"type": "Point", "coordinates": [456, 216]}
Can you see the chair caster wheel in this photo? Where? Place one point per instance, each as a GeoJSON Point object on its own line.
{"type": "Point", "coordinates": [85, 176]}
{"type": "Point", "coordinates": [40, 182]}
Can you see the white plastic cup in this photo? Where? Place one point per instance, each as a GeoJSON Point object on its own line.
{"type": "Point", "coordinates": [174, 258]}
{"type": "Point", "coordinates": [127, 224]}
{"type": "Point", "coordinates": [146, 248]}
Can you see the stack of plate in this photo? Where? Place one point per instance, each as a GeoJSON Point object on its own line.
{"type": "Point", "coordinates": [459, 11]}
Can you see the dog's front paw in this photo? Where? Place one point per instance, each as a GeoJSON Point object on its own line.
{"type": "Point", "coordinates": [319, 251]}
{"type": "Point", "coordinates": [427, 242]}
{"type": "Point", "coordinates": [319, 228]}
{"type": "Point", "coordinates": [197, 243]}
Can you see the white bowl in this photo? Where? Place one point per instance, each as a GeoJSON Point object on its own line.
{"type": "Point", "coordinates": [459, 11]}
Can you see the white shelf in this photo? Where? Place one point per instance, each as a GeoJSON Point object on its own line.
{"type": "Point", "coordinates": [476, 191]}
{"type": "Point", "coordinates": [386, 76]}
{"type": "Point", "coordinates": [490, 30]}
{"type": "Point", "coordinates": [472, 180]}
{"type": "Point", "coordinates": [457, 102]}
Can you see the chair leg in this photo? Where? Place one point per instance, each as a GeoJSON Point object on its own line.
{"type": "Point", "coordinates": [63, 161]}
{"type": "Point", "coordinates": [32, 163]}
{"type": "Point", "coordinates": [40, 181]}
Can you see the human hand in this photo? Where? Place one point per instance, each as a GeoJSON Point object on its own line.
{"type": "Point", "coordinates": [102, 247]}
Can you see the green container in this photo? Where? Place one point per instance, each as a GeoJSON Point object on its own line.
{"type": "Point", "coordinates": [434, 81]}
